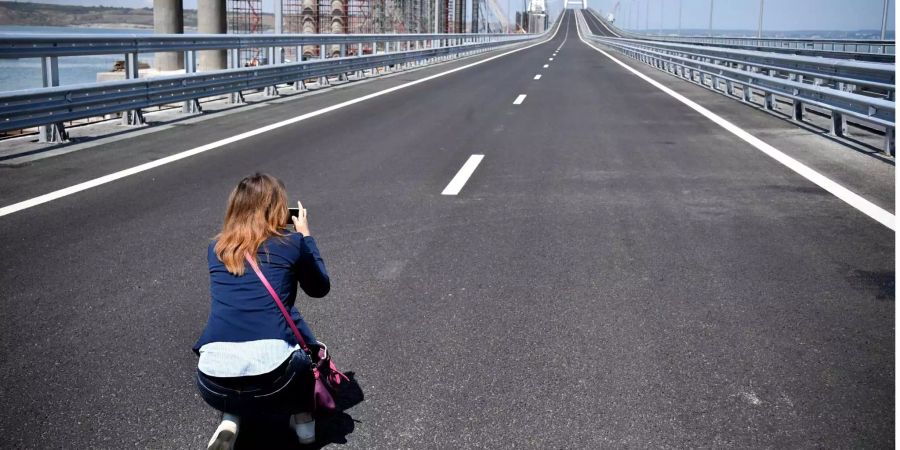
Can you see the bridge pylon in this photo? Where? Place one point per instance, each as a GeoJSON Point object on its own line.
{"type": "Point", "coordinates": [583, 3]}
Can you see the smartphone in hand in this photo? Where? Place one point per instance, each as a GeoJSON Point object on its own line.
{"type": "Point", "coordinates": [292, 212]}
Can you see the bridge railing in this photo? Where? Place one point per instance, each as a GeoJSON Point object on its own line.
{"type": "Point", "coordinates": [53, 105]}
{"type": "Point", "coordinates": [726, 73]}
{"type": "Point", "coordinates": [868, 78]}
{"type": "Point", "coordinates": [859, 49]}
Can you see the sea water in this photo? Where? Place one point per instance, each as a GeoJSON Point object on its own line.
{"type": "Point", "coordinates": [16, 74]}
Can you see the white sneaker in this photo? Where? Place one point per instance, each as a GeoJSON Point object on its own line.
{"type": "Point", "coordinates": [226, 433]}
{"type": "Point", "coordinates": [306, 430]}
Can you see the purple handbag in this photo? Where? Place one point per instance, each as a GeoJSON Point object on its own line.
{"type": "Point", "coordinates": [327, 376]}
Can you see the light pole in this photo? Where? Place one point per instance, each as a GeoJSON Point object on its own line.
{"type": "Point", "coordinates": [661, 15]}
{"type": "Point", "coordinates": [762, 5]}
{"type": "Point", "coordinates": [884, 18]}
{"type": "Point", "coordinates": [628, 20]}
{"type": "Point", "coordinates": [680, 4]}
{"type": "Point", "coordinates": [631, 15]}
{"type": "Point", "coordinates": [637, 15]}
{"type": "Point", "coordinates": [710, 16]}
{"type": "Point", "coordinates": [647, 18]}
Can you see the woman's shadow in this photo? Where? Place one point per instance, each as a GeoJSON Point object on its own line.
{"type": "Point", "coordinates": [274, 432]}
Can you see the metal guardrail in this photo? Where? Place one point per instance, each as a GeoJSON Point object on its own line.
{"type": "Point", "coordinates": [51, 106]}
{"type": "Point", "coordinates": [858, 49]}
{"type": "Point", "coordinates": [59, 45]}
{"type": "Point", "coordinates": [843, 74]}
{"type": "Point", "coordinates": [725, 79]}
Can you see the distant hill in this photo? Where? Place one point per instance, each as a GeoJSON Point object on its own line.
{"type": "Point", "coordinates": [44, 14]}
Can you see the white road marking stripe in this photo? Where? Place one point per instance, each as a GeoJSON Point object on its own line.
{"type": "Point", "coordinates": [466, 171]}
{"type": "Point", "coordinates": [537, 77]}
{"type": "Point", "coordinates": [551, 59]}
{"type": "Point", "coordinates": [519, 99]}
{"type": "Point", "coordinates": [15, 207]}
{"type": "Point", "coordinates": [546, 65]}
{"type": "Point", "coordinates": [851, 198]}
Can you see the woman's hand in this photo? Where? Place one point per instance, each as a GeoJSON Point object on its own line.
{"type": "Point", "coordinates": [300, 223]}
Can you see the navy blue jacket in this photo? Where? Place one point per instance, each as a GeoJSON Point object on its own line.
{"type": "Point", "coordinates": [243, 310]}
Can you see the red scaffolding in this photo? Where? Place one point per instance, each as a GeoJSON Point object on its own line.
{"type": "Point", "coordinates": [245, 17]}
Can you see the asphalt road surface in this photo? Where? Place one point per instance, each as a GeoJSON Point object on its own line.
{"type": "Point", "coordinates": [617, 272]}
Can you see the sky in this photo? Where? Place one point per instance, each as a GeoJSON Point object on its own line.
{"type": "Point", "coordinates": [779, 15]}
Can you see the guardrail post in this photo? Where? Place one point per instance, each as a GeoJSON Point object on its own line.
{"type": "Point", "coordinates": [343, 75]}
{"type": "Point", "coordinates": [797, 111]}
{"type": "Point", "coordinates": [299, 84]}
{"type": "Point", "coordinates": [396, 49]}
{"type": "Point", "coordinates": [374, 70]}
{"type": "Point", "coordinates": [234, 61]}
{"type": "Point", "coordinates": [191, 106]}
{"type": "Point", "coordinates": [272, 58]}
{"type": "Point", "coordinates": [359, 54]}
{"type": "Point", "coordinates": [54, 132]}
{"type": "Point", "coordinates": [392, 47]}
{"type": "Point", "coordinates": [323, 80]}
{"type": "Point", "coordinates": [748, 93]}
{"type": "Point", "coordinates": [408, 64]}
{"type": "Point", "coordinates": [838, 124]}
{"type": "Point", "coordinates": [132, 117]}
{"type": "Point", "coordinates": [889, 141]}
{"type": "Point", "coordinates": [770, 101]}
{"type": "Point", "coordinates": [403, 47]}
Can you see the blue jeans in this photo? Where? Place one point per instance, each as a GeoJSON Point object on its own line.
{"type": "Point", "coordinates": [286, 390]}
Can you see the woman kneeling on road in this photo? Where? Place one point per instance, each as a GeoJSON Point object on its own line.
{"type": "Point", "coordinates": [250, 360]}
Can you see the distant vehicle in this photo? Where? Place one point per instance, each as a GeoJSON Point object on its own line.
{"type": "Point", "coordinates": [611, 18]}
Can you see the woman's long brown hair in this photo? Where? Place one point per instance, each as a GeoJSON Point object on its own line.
{"type": "Point", "coordinates": [257, 210]}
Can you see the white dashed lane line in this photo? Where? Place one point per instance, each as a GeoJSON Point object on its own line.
{"type": "Point", "coordinates": [466, 171]}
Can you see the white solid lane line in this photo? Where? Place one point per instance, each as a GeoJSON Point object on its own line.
{"type": "Point", "coordinates": [851, 198]}
{"type": "Point", "coordinates": [15, 207]}
{"type": "Point", "coordinates": [537, 77]}
{"type": "Point", "coordinates": [466, 171]}
{"type": "Point", "coordinates": [519, 99]}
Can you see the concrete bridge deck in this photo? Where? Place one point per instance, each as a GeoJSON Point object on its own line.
{"type": "Point", "coordinates": [618, 271]}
